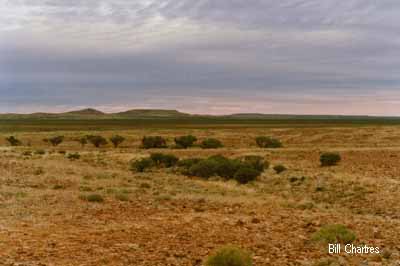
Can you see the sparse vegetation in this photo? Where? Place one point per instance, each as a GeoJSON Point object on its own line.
{"type": "Point", "coordinates": [229, 256]}
{"type": "Point", "coordinates": [185, 142]}
{"type": "Point", "coordinates": [335, 233]}
{"type": "Point", "coordinates": [93, 198]}
{"type": "Point", "coordinates": [268, 142]}
{"type": "Point", "coordinates": [211, 143]}
{"type": "Point", "coordinates": [329, 159]}
{"type": "Point", "coordinates": [116, 140]}
{"type": "Point", "coordinates": [82, 140]}
{"type": "Point", "coordinates": [153, 142]}
{"type": "Point", "coordinates": [40, 152]}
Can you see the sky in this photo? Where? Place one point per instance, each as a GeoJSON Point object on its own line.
{"type": "Point", "coordinates": [201, 56]}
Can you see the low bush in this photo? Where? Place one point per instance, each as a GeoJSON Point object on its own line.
{"type": "Point", "coordinates": [97, 141]}
{"type": "Point", "coordinates": [13, 141]}
{"type": "Point", "coordinates": [27, 153]}
{"type": "Point", "coordinates": [153, 142]}
{"type": "Point", "coordinates": [334, 233]}
{"type": "Point", "coordinates": [55, 141]}
{"type": "Point", "coordinates": [204, 168]}
{"type": "Point", "coordinates": [82, 140]}
{"type": "Point", "coordinates": [93, 198]}
{"type": "Point", "coordinates": [74, 156]}
{"type": "Point", "coordinates": [268, 142]}
{"type": "Point", "coordinates": [329, 159]}
{"type": "Point", "coordinates": [246, 174]}
{"type": "Point", "coordinates": [241, 170]}
{"type": "Point", "coordinates": [229, 256]}
{"type": "Point", "coordinates": [165, 160]}
{"type": "Point", "coordinates": [279, 168]}
{"type": "Point", "coordinates": [211, 143]}
{"type": "Point", "coordinates": [185, 142]}
{"type": "Point", "coordinates": [141, 165]}
{"type": "Point", "coordinates": [256, 162]}
{"type": "Point", "coordinates": [117, 140]}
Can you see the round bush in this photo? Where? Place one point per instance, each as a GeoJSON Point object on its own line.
{"type": "Point", "coordinates": [166, 160]}
{"type": "Point", "coordinates": [268, 142]}
{"type": "Point", "coordinates": [204, 168]}
{"type": "Point", "coordinates": [329, 159]}
{"type": "Point", "coordinates": [229, 256]}
{"type": "Point", "coordinates": [141, 165]}
{"type": "Point", "coordinates": [211, 144]}
{"type": "Point", "coordinates": [153, 142]}
{"type": "Point", "coordinates": [185, 141]}
{"type": "Point", "coordinates": [256, 162]}
{"type": "Point", "coordinates": [246, 174]}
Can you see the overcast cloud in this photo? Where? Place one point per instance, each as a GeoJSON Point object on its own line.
{"type": "Point", "coordinates": [201, 56]}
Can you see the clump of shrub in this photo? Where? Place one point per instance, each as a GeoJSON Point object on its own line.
{"type": "Point", "coordinates": [93, 198]}
{"type": "Point", "coordinates": [229, 256]}
{"type": "Point", "coordinates": [329, 158]}
{"type": "Point", "coordinates": [153, 142]}
{"type": "Point", "coordinates": [82, 140]}
{"type": "Point", "coordinates": [97, 141]}
{"type": "Point", "coordinates": [116, 140]}
{"type": "Point", "coordinates": [74, 156]}
{"type": "Point", "coordinates": [141, 165]}
{"type": "Point", "coordinates": [165, 160]}
{"type": "Point", "coordinates": [334, 233]}
{"type": "Point", "coordinates": [55, 141]}
{"type": "Point", "coordinates": [13, 141]}
{"type": "Point", "coordinates": [211, 143]}
{"type": "Point", "coordinates": [246, 174]}
{"type": "Point", "coordinates": [185, 142]}
{"type": "Point", "coordinates": [279, 168]}
{"type": "Point", "coordinates": [268, 142]}
{"type": "Point", "coordinates": [242, 170]}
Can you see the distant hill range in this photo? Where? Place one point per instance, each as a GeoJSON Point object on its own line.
{"type": "Point", "coordinates": [91, 113]}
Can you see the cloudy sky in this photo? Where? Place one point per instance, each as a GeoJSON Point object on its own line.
{"type": "Point", "coordinates": [201, 56]}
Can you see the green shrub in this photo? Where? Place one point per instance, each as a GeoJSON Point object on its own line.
{"type": "Point", "coordinates": [153, 142]}
{"type": "Point", "coordinates": [117, 140]}
{"type": "Point", "coordinates": [97, 141]}
{"type": "Point", "coordinates": [268, 142]}
{"type": "Point", "coordinates": [74, 156]}
{"type": "Point", "coordinates": [93, 198]}
{"type": "Point", "coordinates": [229, 256]}
{"type": "Point", "coordinates": [256, 162]}
{"type": "Point", "coordinates": [225, 167]}
{"type": "Point", "coordinates": [185, 141]}
{"type": "Point", "coordinates": [82, 140]}
{"type": "Point", "coordinates": [62, 152]}
{"type": "Point", "coordinates": [335, 233]}
{"type": "Point", "coordinates": [329, 158]}
{"type": "Point", "coordinates": [55, 141]}
{"type": "Point", "coordinates": [279, 168]}
{"type": "Point", "coordinates": [141, 165]}
{"type": "Point", "coordinates": [204, 168]}
{"type": "Point", "coordinates": [211, 143]}
{"type": "Point", "coordinates": [246, 174]}
{"type": "Point", "coordinates": [165, 160]}
{"type": "Point", "coordinates": [13, 141]}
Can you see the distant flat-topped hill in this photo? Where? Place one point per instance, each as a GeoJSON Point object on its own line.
{"type": "Point", "coordinates": [93, 114]}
